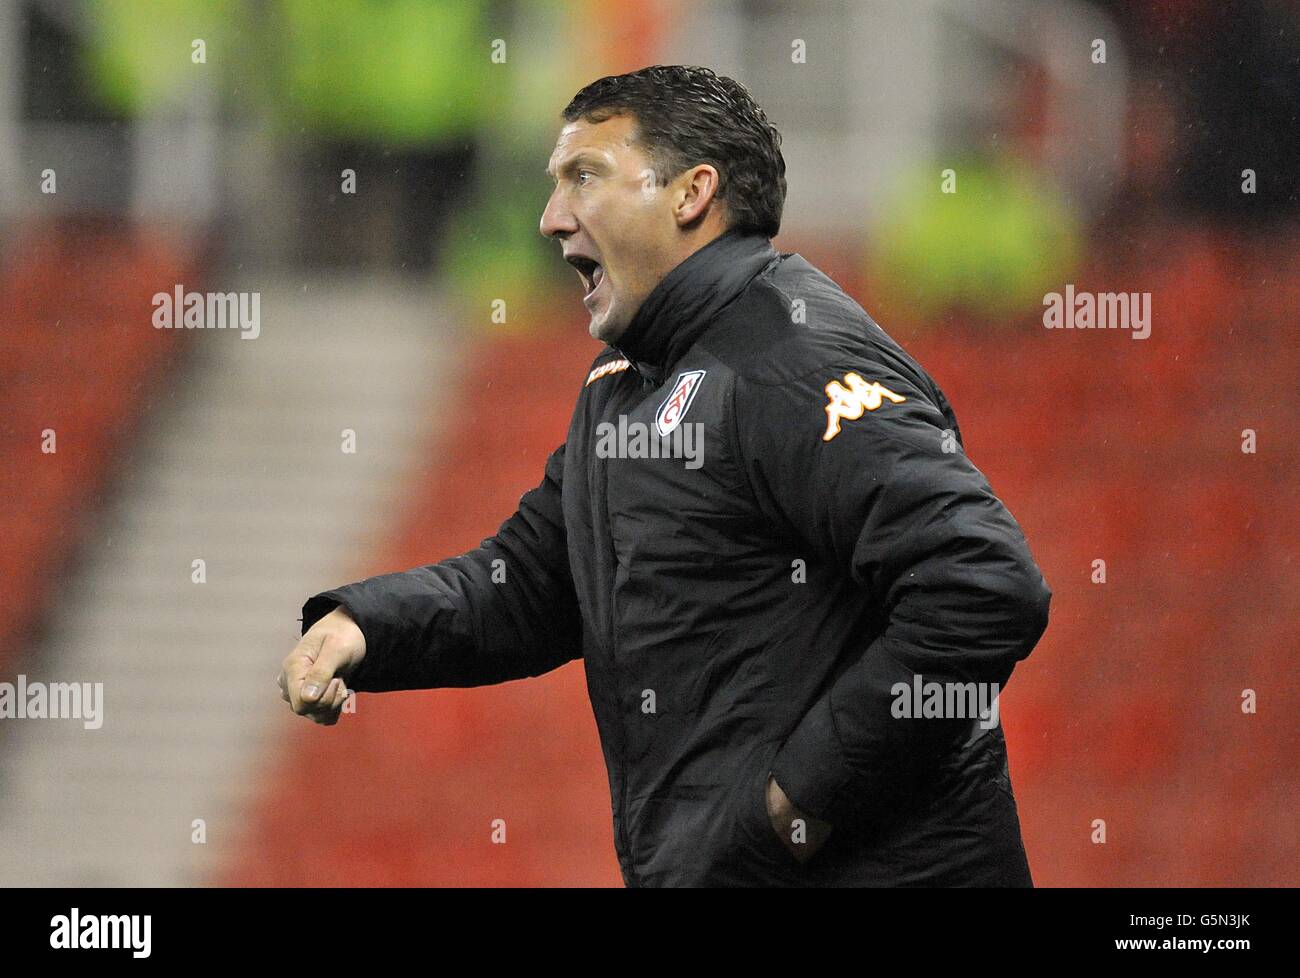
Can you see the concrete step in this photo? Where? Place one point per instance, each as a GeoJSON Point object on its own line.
{"type": "Point", "coordinates": [243, 469]}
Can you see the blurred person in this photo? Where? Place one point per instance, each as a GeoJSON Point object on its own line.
{"type": "Point", "coordinates": [983, 229]}
{"type": "Point", "coordinates": [390, 93]}
{"type": "Point", "coordinates": [751, 625]}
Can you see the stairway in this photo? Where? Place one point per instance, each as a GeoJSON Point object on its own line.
{"type": "Point", "coordinates": [243, 468]}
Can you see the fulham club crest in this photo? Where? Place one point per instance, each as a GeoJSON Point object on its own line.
{"type": "Point", "coordinates": [678, 402]}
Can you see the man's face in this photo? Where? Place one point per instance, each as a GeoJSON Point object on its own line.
{"type": "Point", "coordinates": [613, 220]}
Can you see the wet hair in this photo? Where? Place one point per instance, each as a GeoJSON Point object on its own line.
{"type": "Point", "coordinates": [686, 116]}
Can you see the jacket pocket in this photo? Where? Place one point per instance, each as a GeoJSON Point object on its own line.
{"type": "Point", "coordinates": [756, 825]}
{"type": "Point", "coordinates": [713, 835]}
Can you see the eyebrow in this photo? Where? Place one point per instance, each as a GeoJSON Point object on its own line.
{"type": "Point", "coordinates": [577, 159]}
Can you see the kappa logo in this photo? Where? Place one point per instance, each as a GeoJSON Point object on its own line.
{"type": "Point", "coordinates": [850, 399]}
{"type": "Point", "coordinates": [675, 406]}
{"type": "Point", "coordinates": [605, 369]}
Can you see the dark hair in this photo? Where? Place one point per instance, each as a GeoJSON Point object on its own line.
{"type": "Point", "coordinates": [686, 116]}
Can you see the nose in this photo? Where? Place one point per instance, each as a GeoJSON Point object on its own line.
{"type": "Point", "coordinates": [557, 218]}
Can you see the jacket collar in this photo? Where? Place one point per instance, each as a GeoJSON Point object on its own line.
{"type": "Point", "coordinates": [685, 303]}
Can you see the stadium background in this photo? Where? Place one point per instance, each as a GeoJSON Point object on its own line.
{"type": "Point", "coordinates": [377, 316]}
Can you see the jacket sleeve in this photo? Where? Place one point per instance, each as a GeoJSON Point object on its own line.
{"type": "Point", "coordinates": [875, 481]}
{"type": "Point", "coordinates": [506, 610]}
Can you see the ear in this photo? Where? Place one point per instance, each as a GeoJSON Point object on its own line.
{"type": "Point", "coordinates": [696, 189]}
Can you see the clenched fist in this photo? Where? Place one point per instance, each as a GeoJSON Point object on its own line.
{"type": "Point", "coordinates": [312, 675]}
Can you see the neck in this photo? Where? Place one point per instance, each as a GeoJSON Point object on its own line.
{"type": "Point", "coordinates": [689, 298]}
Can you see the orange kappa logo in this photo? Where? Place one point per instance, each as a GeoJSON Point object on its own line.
{"type": "Point", "coordinates": [850, 399]}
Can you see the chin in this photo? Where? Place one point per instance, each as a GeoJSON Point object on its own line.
{"type": "Point", "coordinates": [605, 331]}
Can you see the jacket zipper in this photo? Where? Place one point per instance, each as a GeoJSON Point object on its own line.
{"type": "Point", "coordinates": [618, 684]}
{"type": "Point", "coordinates": [622, 766]}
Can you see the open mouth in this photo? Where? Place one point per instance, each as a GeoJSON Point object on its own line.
{"type": "Point", "coordinates": [590, 271]}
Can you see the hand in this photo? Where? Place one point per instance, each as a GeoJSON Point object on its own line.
{"type": "Point", "coordinates": [782, 813]}
{"type": "Point", "coordinates": [311, 677]}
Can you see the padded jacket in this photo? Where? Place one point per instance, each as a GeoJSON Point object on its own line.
{"type": "Point", "coordinates": [753, 595]}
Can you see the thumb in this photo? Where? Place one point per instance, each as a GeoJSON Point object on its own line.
{"type": "Point", "coordinates": [332, 655]}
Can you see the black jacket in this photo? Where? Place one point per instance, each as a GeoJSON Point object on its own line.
{"type": "Point", "coordinates": [751, 610]}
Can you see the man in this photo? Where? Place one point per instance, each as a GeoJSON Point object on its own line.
{"type": "Point", "coordinates": [750, 621]}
